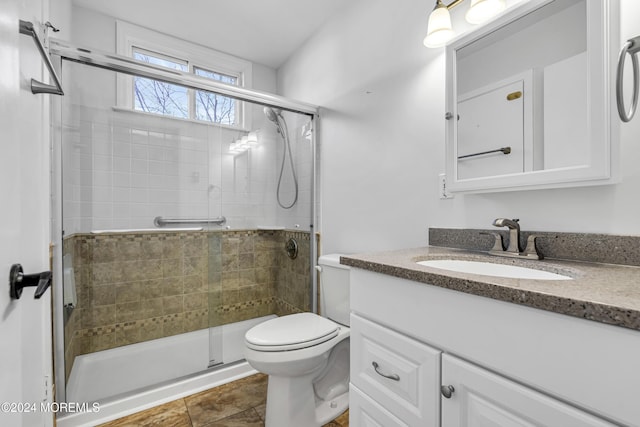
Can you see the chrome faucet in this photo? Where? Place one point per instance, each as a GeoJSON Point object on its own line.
{"type": "Point", "coordinates": [514, 249]}
{"type": "Point", "coordinates": [514, 233]}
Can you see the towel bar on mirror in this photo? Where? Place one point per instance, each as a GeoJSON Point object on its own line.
{"type": "Point", "coordinates": [503, 150]}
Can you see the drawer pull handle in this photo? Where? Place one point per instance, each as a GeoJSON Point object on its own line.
{"type": "Point", "coordinates": [393, 377]}
{"type": "Point", "coordinates": [447, 391]}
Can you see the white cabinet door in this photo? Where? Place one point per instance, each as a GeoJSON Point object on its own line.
{"type": "Point", "coordinates": [481, 398]}
{"type": "Point", "coordinates": [365, 412]}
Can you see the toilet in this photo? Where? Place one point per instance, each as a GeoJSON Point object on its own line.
{"type": "Point", "coordinates": [306, 355]}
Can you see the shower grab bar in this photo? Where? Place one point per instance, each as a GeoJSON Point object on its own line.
{"type": "Point", "coordinates": [632, 47]}
{"type": "Point", "coordinates": [26, 28]}
{"type": "Point", "coordinates": [162, 222]}
{"type": "Point", "coordinates": [503, 150]}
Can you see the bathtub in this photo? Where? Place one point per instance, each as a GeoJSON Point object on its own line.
{"type": "Point", "coordinates": [135, 377]}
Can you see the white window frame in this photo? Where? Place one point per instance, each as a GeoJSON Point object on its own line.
{"type": "Point", "coordinates": [129, 36]}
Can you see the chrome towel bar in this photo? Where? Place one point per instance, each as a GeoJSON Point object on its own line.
{"type": "Point", "coordinates": [26, 27]}
{"type": "Point", "coordinates": [632, 47]}
{"type": "Point", "coordinates": [162, 222]}
{"type": "Point", "coordinates": [503, 150]}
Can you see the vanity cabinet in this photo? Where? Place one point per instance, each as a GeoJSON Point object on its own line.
{"type": "Point", "coordinates": [509, 365]}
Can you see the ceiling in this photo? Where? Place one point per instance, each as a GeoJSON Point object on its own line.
{"type": "Point", "coordinates": [263, 31]}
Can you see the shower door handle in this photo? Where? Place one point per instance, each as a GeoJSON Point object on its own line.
{"type": "Point", "coordinates": [631, 47]}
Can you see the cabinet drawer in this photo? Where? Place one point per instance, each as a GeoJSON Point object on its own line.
{"type": "Point", "coordinates": [364, 412]}
{"type": "Point", "coordinates": [400, 373]}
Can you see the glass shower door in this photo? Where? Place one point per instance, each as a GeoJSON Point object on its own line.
{"type": "Point", "coordinates": [136, 277]}
{"type": "Point", "coordinates": [164, 287]}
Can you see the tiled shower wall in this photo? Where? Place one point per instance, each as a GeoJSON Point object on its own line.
{"type": "Point", "coordinates": [123, 169]}
{"type": "Point", "coordinates": [134, 287]}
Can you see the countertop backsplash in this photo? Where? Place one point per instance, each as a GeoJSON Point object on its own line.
{"type": "Point", "coordinates": [588, 247]}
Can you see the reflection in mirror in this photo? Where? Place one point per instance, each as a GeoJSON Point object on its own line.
{"type": "Point", "coordinates": [522, 94]}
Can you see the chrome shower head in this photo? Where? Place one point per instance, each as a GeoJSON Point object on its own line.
{"type": "Point", "coordinates": [272, 114]}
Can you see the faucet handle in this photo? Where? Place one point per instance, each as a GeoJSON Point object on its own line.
{"type": "Point", "coordinates": [531, 251]}
{"type": "Point", "coordinates": [498, 246]}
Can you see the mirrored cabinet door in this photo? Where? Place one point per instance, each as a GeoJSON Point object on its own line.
{"type": "Point", "coordinates": [529, 99]}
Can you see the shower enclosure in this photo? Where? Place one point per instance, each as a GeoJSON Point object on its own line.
{"type": "Point", "coordinates": [175, 235]}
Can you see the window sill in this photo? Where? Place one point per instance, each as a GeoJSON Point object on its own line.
{"type": "Point", "coordinates": [199, 122]}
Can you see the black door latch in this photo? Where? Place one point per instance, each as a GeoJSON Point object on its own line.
{"type": "Point", "coordinates": [18, 280]}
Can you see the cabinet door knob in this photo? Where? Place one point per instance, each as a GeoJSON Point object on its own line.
{"type": "Point", "coordinates": [447, 391]}
{"type": "Point", "coordinates": [376, 367]}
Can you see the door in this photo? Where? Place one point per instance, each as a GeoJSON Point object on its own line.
{"type": "Point", "coordinates": [25, 324]}
{"type": "Point", "coordinates": [481, 398]}
{"type": "Point", "coordinates": [479, 114]}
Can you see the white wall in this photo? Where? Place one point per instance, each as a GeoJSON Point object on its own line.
{"type": "Point", "coordinates": [382, 139]}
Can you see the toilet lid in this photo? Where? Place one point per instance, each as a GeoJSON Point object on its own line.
{"type": "Point", "coordinates": [291, 332]}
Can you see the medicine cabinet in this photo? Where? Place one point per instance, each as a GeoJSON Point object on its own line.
{"type": "Point", "coordinates": [529, 99]}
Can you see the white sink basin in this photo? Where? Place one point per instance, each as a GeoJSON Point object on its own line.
{"type": "Point", "coordinates": [491, 269]}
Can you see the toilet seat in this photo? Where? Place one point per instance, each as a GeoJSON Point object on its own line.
{"type": "Point", "coordinates": [292, 332]}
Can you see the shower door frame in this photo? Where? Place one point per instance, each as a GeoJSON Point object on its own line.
{"type": "Point", "coordinates": [63, 50]}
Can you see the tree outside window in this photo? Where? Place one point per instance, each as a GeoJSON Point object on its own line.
{"type": "Point", "coordinates": [154, 96]}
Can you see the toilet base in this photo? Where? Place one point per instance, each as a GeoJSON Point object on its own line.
{"type": "Point", "coordinates": [292, 403]}
{"type": "Point", "coordinates": [329, 410]}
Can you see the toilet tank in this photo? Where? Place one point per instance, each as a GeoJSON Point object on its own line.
{"type": "Point", "coordinates": [334, 289]}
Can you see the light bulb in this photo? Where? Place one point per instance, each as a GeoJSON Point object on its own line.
{"type": "Point", "coordinates": [252, 139]}
{"type": "Point", "coordinates": [481, 10]}
{"type": "Point", "coordinates": [439, 30]}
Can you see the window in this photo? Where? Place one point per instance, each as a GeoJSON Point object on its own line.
{"type": "Point", "coordinates": [156, 97]}
{"type": "Point", "coordinates": [153, 96]}
{"type": "Point", "coordinates": [213, 107]}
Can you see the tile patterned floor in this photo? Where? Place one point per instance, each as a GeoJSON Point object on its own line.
{"type": "Point", "coordinates": [241, 403]}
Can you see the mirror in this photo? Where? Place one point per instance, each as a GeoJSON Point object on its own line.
{"type": "Point", "coordinates": [528, 99]}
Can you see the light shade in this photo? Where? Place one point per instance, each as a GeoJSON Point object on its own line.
{"type": "Point", "coordinates": [439, 30]}
{"type": "Point", "coordinates": [482, 10]}
{"type": "Point", "coordinates": [252, 139]}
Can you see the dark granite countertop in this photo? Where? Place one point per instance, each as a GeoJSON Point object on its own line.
{"type": "Point", "coordinates": [605, 293]}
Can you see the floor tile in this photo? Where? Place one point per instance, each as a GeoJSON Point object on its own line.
{"type": "Point", "coordinates": [222, 402]}
{"type": "Point", "coordinates": [241, 403]}
{"type": "Point", "coordinates": [249, 418]}
{"type": "Point", "coordinates": [343, 420]}
{"type": "Point", "coordinates": [172, 414]}
{"type": "Point", "coordinates": [261, 410]}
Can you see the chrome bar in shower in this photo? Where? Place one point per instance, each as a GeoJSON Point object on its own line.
{"type": "Point", "coordinates": [126, 65]}
{"type": "Point", "coordinates": [162, 222]}
{"type": "Point", "coordinates": [26, 27]}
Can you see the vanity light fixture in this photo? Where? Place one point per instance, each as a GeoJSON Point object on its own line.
{"type": "Point", "coordinates": [439, 30]}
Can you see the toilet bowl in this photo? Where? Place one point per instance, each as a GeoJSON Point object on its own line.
{"type": "Point", "coordinates": [306, 356]}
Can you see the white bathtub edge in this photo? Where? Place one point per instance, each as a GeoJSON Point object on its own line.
{"type": "Point", "coordinates": [130, 405]}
